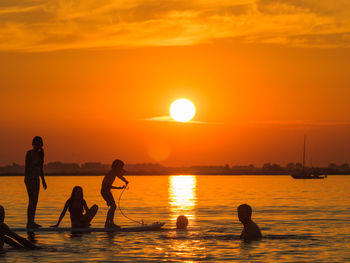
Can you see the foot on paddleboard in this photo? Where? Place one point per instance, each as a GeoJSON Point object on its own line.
{"type": "Point", "coordinates": [33, 225]}
{"type": "Point", "coordinates": [113, 226]}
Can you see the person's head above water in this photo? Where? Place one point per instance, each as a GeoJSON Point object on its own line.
{"type": "Point", "coordinates": [244, 213]}
{"type": "Point", "coordinates": [77, 193]}
{"type": "Point", "coordinates": [37, 142]}
{"type": "Point", "coordinates": [181, 222]}
{"type": "Point", "coordinates": [2, 214]}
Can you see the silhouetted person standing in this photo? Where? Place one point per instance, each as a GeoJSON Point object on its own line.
{"type": "Point", "coordinates": [250, 231]}
{"type": "Point", "coordinates": [108, 180]}
{"type": "Point", "coordinates": [34, 170]}
{"type": "Point", "coordinates": [11, 238]}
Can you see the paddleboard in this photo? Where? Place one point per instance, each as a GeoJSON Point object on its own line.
{"type": "Point", "coordinates": [152, 227]}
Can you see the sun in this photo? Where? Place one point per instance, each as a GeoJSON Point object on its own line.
{"type": "Point", "coordinates": [182, 110]}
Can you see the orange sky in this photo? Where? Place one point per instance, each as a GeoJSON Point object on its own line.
{"type": "Point", "coordinates": [87, 76]}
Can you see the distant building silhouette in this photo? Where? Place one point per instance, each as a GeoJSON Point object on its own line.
{"type": "Point", "coordinates": [98, 168]}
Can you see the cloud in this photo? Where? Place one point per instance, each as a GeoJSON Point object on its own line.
{"type": "Point", "coordinates": [38, 25]}
{"type": "Point", "coordinates": [170, 119]}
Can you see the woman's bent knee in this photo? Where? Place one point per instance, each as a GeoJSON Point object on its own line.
{"type": "Point", "coordinates": [94, 209]}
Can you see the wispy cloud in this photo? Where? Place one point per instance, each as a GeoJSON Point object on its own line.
{"type": "Point", "coordinates": [38, 25]}
{"type": "Point", "coordinates": [160, 118]}
{"type": "Point", "coordinates": [169, 119]}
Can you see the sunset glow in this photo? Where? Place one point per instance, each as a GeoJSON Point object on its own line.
{"type": "Point", "coordinates": [203, 118]}
{"type": "Point", "coordinates": [267, 72]}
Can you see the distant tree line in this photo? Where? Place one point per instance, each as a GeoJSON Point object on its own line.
{"type": "Point", "coordinates": [57, 168]}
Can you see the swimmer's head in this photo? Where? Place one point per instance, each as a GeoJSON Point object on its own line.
{"type": "Point", "coordinates": [37, 142]}
{"type": "Point", "coordinates": [244, 213]}
{"type": "Point", "coordinates": [181, 222]}
{"type": "Point", "coordinates": [77, 193]}
{"type": "Point", "coordinates": [2, 214]}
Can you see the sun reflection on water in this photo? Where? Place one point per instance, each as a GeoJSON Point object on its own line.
{"type": "Point", "coordinates": [182, 196]}
{"type": "Point", "coordinates": [183, 201]}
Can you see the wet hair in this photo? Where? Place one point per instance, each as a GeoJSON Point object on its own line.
{"type": "Point", "coordinates": [245, 210]}
{"type": "Point", "coordinates": [2, 214]}
{"type": "Point", "coordinates": [181, 222]}
{"type": "Point", "coordinates": [38, 139]}
{"type": "Point", "coordinates": [117, 163]}
{"type": "Point", "coordinates": [74, 191]}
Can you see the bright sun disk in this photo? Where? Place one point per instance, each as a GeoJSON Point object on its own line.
{"type": "Point", "coordinates": [182, 110]}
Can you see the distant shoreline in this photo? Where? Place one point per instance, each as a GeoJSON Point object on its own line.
{"type": "Point", "coordinates": [277, 173]}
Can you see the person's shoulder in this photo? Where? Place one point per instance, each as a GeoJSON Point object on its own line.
{"type": "Point", "coordinates": [30, 152]}
{"type": "Point", "coordinates": [110, 174]}
{"type": "Point", "coordinates": [254, 227]}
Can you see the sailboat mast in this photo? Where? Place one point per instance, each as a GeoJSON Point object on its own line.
{"type": "Point", "coordinates": [304, 151]}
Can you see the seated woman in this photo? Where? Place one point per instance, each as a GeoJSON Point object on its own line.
{"type": "Point", "coordinates": [11, 238]}
{"type": "Point", "coordinates": [76, 205]}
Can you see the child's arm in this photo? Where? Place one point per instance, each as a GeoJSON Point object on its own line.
{"type": "Point", "coordinates": [27, 163]}
{"type": "Point", "coordinates": [121, 177]}
{"type": "Point", "coordinates": [85, 206]}
{"type": "Point", "coordinates": [9, 241]}
{"type": "Point", "coordinates": [43, 180]}
{"type": "Point", "coordinates": [62, 214]}
{"type": "Point", "coordinates": [11, 238]}
{"type": "Point", "coordinates": [21, 240]}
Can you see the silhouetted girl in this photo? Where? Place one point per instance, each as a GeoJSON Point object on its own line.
{"type": "Point", "coordinates": [76, 206]}
{"type": "Point", "coordinates": [34, 170]}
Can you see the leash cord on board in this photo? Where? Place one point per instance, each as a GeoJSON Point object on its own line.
{"type": "Point", "coordinates": [120, 209]}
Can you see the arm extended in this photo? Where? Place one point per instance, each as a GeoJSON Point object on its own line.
{"type": "Point", "coordinates": [62, 214]}
{"type": "Point", "coordinates": [121, 177]}
{"type": "Point", "coordinates": [43, 178]}
{"type": "Point", "coordinates": [16, 241]}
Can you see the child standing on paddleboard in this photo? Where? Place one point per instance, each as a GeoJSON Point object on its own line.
{"type": "Point", "coordinates": [117, 171]}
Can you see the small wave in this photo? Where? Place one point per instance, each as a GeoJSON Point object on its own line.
{"type": "Point", "coordinates": [235, 237]}
{"type": "Point", "coordinates": [301, 237]}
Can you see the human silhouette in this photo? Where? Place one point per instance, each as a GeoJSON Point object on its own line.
{"type": "Point", "coordinates": [250, 231]}
{"type": "Point", "coordinates": [181, 222]}
{"type": "Point", "coordinates": [76, 206]}
{"type": "Point", "coordinates": [117, 171]}
{"type": "Point", "coordinates": [33, 170]}
{"type": "Point", "coordinates": [11, 238]}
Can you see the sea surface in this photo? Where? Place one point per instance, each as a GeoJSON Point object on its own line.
{"type": "Point", "coordinates": [301, 220]}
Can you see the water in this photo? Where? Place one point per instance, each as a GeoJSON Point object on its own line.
{"type": "Point", "coordinates": [302, 220]}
